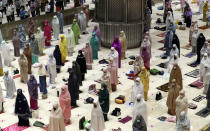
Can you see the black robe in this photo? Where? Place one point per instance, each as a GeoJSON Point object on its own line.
{"type": "Point", "coordinates": [176, 41]}
{"type": "Point", "coordinates": [200, 42]}
{"type": "Point", "coordinates": [22, 109]}
{"type": "Point", "coordinates": [76, 68]}
{"type": "Point", "coordinates": [104, 100]}
{"type": "Point", "coordinates": [57, 55]}
{"type": "Point", "coordinates": [140, 125]}
{"type": "Point", "coordinates": [73, 86]}
{"type": "Point", "coordinates": [208, 93]}
{"type": "Point", "coordinates": [149, 4]}
{"type": "Point", "coordinates": [82, 63]}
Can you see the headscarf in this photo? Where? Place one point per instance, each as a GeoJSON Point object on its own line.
{"type": "Point", "coordinates": [57, 55]}
{"type": "Point", "coordinates": [55, 20]}
{"type": "Point", "coordinates": [183, 123]}
{"type": "Point", "coordinates": [174, 51]}
{"type": "Point", "coordinates": [145, 53]}
{"type": "Point", "coordinates": [97, 118]}
{"type": "Point", "coordinates": [205, 49]}
{"type": "Point", "coordinates": [33, 87]}
{"type": "Point", "coordinates": [1, 95]}
{"type": "Point", "coordinates": [139, 123]}
{"type": "Point", "coordinates": [64, 93]}
{"type": "Point", "coordinates": [113, 55]}
{"type": "Point", "coordinates": [140, 107]}
{"type": "Point", "coordinates": [51, 59]}
{"type": "Point", "coordinates": [21, 105]}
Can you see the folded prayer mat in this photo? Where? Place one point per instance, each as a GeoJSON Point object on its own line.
{"type": "Point", "coordinates": [198, 98]}
{"type": "Point", "coordinates": [197, 84]}
{"type": "Point", "coordinates": [163, 87]}
{"type": "Point", "coordinates": [125, 120]}
{"type": "Point", "coordinates": [194, 74]}
{"type": "Point", "coordinates": [203, 113]}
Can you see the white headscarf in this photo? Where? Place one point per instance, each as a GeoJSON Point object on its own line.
{"type": "Point", "coordinates": [183, 123]}
{"type": "Point", "coordinates": [97, 119]}
{"type": "Point", "coordinates": [114, 55]}
{"type": "Point", "coordinates": [140, 107]}
{"type": "Point", "coordinates": [138, 88]}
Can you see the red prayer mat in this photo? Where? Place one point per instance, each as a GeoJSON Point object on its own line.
{"type": "Point", "coordinates": [16, 76]}
{"type": "Point", "coordinates": [161, 48]}
{"type": "Point", "coordinates": [15, 127]}
{"type": "Point", "coordinates": [125, 120]}
{"type": "Point", "coordinates": [161, 41]}
{"type": "Point", "coordinates": [197, 84]}
{"type": "Point", "coordinates": [203, 27]}
{"type": "Point", "coordinates": [161, 34]}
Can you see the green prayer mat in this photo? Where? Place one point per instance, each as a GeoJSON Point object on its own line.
{"type": "Point", "coordinates": [163, 87]}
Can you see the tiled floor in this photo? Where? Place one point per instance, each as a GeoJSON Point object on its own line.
{"type": "Point", "coordinates": [155, 109]}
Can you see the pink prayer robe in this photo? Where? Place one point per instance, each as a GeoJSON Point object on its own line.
{"type": "Point", "coordinates": [113, 71]}
{"type": "Point", "coordinates": [47, 33]}
{"type": "Point", "coordinates": [65, 104]}
{"type": "Point", "coordinates": [88, 55]}
{"type": "Point", "coordinates": [145, 54]}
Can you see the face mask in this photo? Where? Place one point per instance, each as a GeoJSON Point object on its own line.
{"type": "Point", "coordinates": [138, 121]}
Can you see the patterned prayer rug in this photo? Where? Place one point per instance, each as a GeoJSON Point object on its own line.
{"type": "Point", "coordinates": [198, 98]}
{"type": "Point", "coordinates": [163, 87]}
{"type": "Point", "coordinates": [203, 113]}
{"type": "Point", "coordinates": [194, 74]}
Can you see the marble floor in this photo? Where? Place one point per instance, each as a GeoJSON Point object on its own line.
{"type": "Point", "coordinates": [155, 108]}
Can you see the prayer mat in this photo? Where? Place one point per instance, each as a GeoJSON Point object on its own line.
{"type": "Point", "coordinates": [125, 120]}
{"type": "Point", "coordinates": [162, 65]}
{"type": "Point", "coordinates": [163, 87]}
{"type": "Point", "coordinates": [162, 48]}
{"type": "Point", "coordinates": [197, 84]}
{"type": "Point", "coordinates": [194, 74]}
{"type": "Point", "coordinates": [198, 98]}
{"type": "Point", "coordinates": [46, 128]}
{"type": "Point", "coordinates": [203, 27]}
{"type": "Point", "coordinates": [16, 76]}
{"type": "Point", "coordinates": [187, 47]}
{"type": "Point", "coordinates": [43, 54]}
{"type": "Point", "coordinates": [205, 128]}
{"type": "Point", "coordinates": [161, 34]}
{"type": "Point", "coordinates": [196, 13]}
{"type": "Point", "coordinates": [193, 64]}
{"type": "Point", "coordinates": [161, 41]}
{"type": "Point", "coordinates": [162, 118]}
{"type": "Point", "coordinates": [189, 55]}
{"type": "Point", "coordinates": [203, 113]}
{"type": "Point", "coordinates": [15, 127]}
